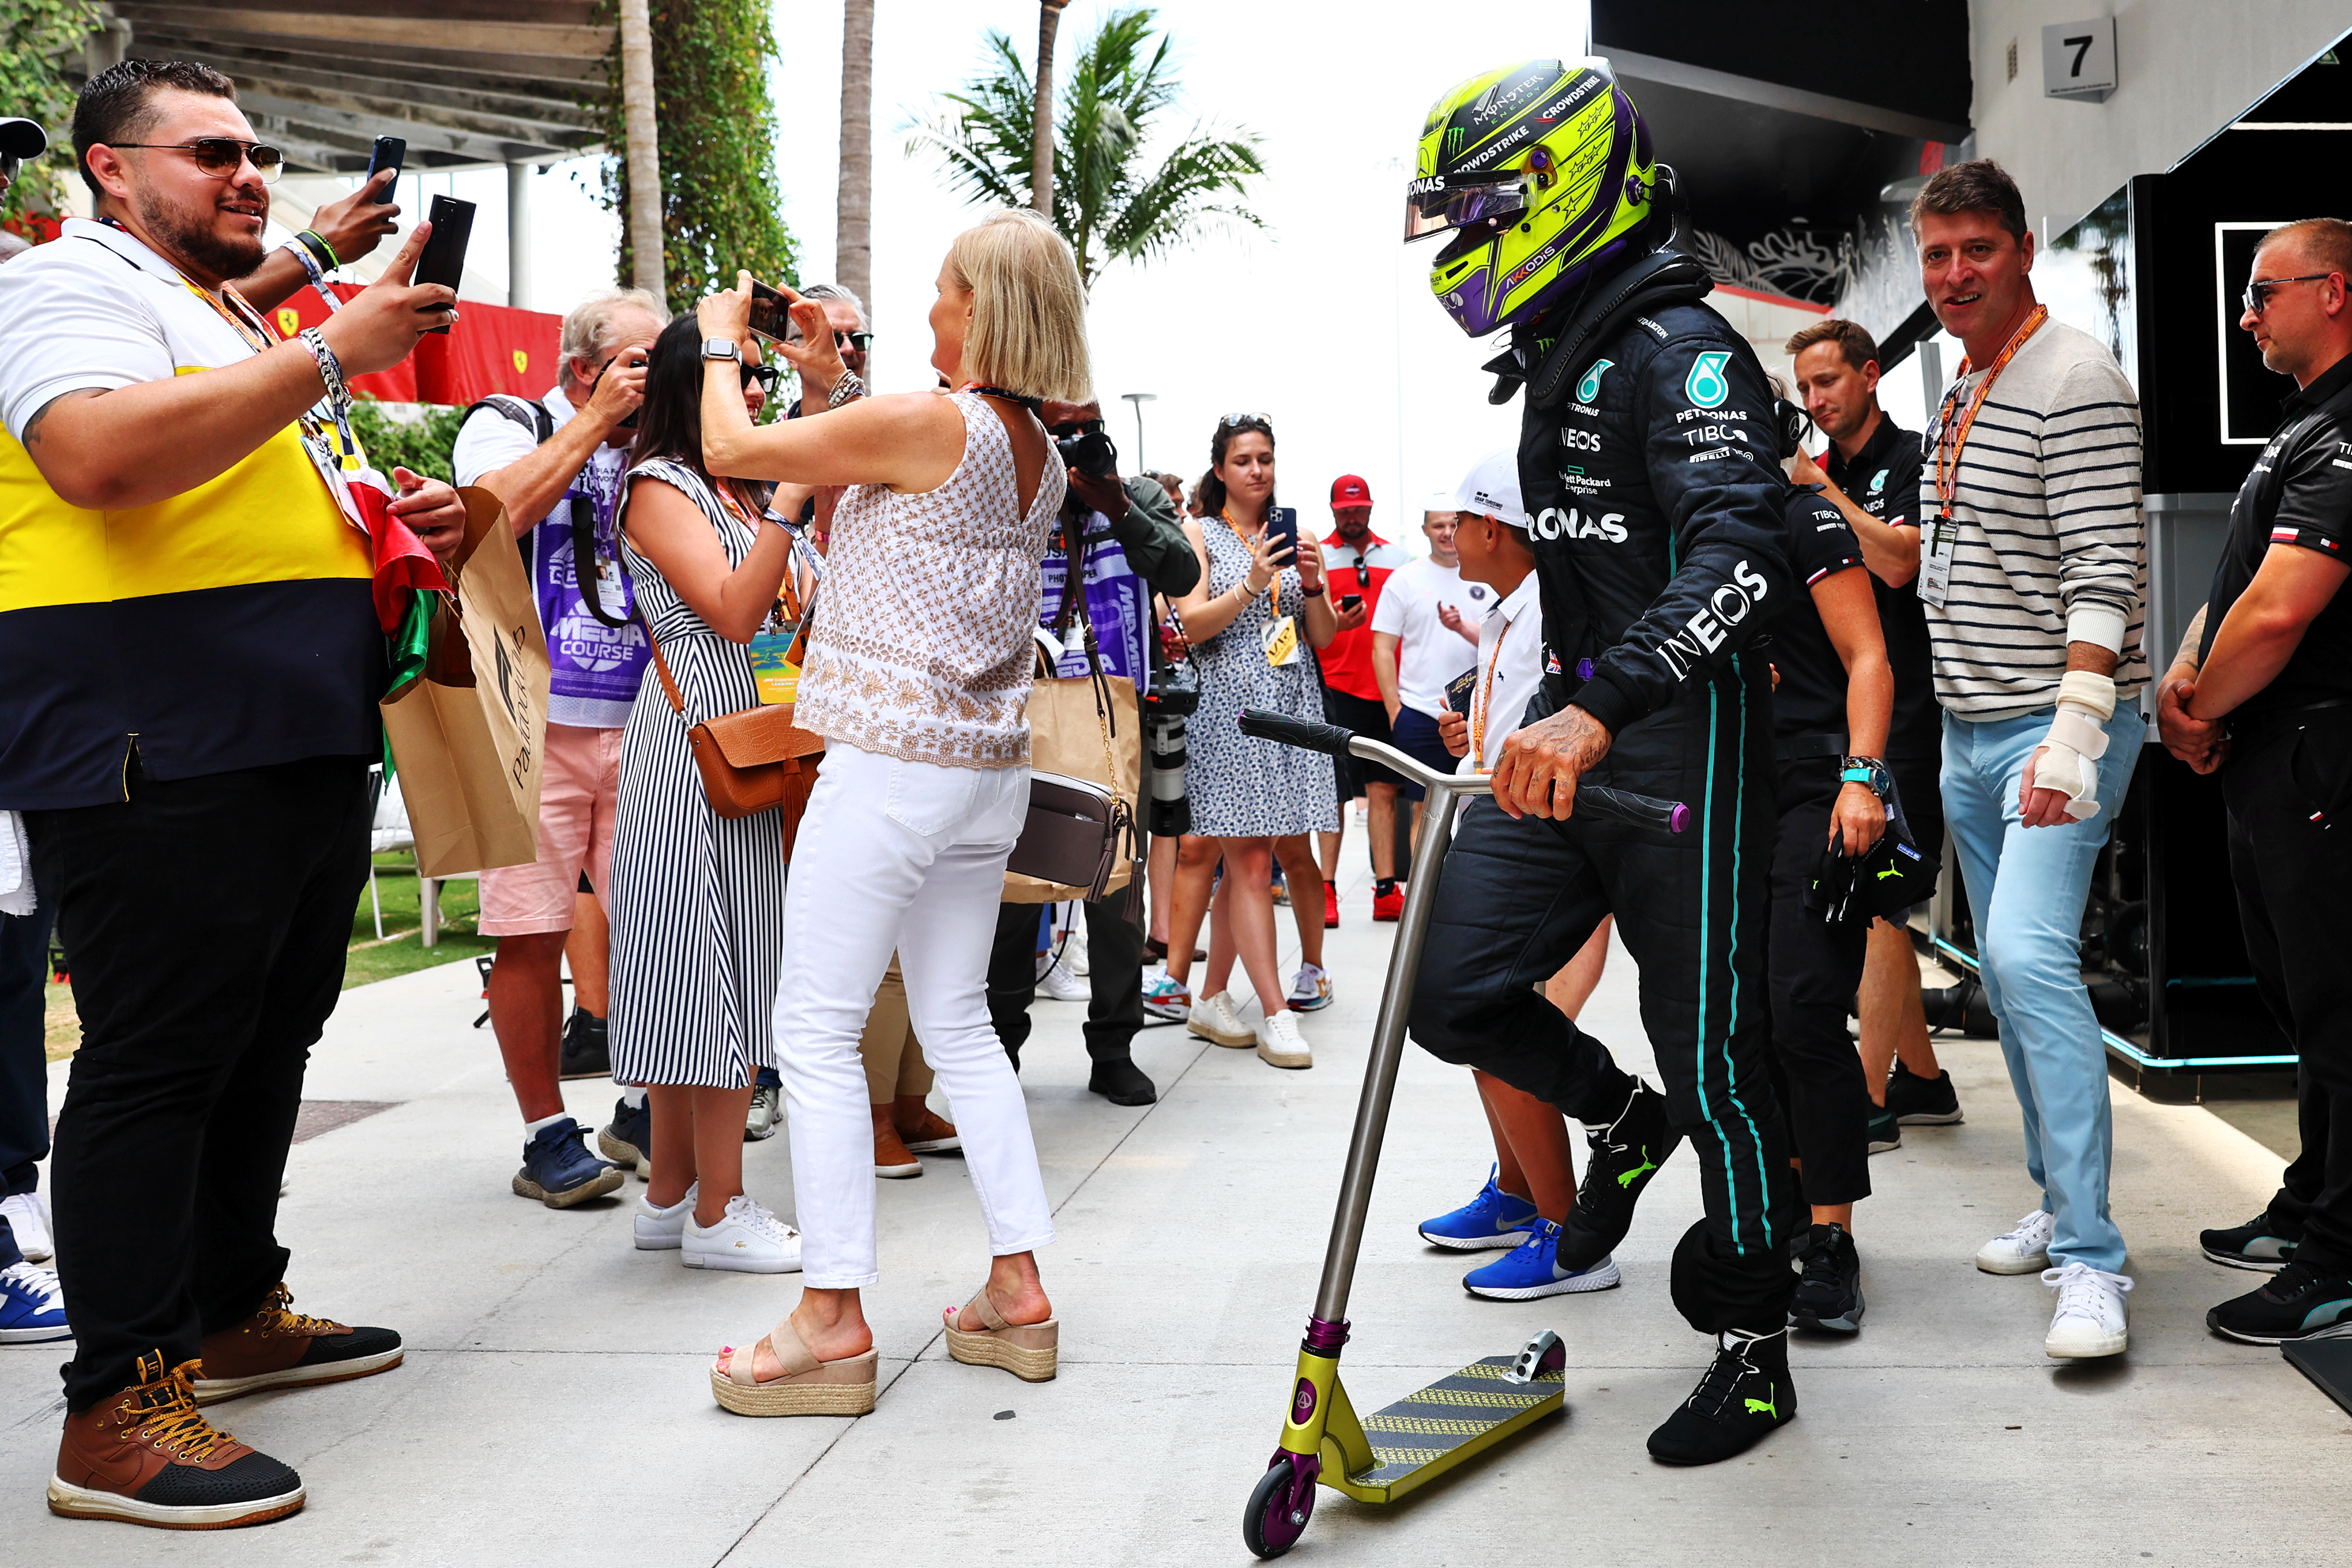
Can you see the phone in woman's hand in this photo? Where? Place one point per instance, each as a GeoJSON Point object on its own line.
{"type": "Point", "coordinates": [1282, 536]}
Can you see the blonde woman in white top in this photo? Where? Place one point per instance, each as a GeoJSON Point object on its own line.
{"type": "Point", "coordinates": [918, 675]}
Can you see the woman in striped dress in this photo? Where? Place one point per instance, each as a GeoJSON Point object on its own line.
{"type": "Point", "coordinates": [698, 899]}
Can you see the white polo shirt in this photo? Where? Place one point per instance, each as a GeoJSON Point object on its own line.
{"type": "Point", "coordinates": [1509, 668]}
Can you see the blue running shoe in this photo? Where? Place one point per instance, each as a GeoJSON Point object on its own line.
{"type": "Point", "coordinates": [558, 1170]}
{"type": "Point", "coordinates": [32, 1307]}
{"type": "Point", "coordinates": [1532, 1268]}
{"type": "Point", "coordinates": [1492, 1219]}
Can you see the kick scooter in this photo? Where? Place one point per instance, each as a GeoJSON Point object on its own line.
{"type": "Point", "coordinates": [1382, 1456]}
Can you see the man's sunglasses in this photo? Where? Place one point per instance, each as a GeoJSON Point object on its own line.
{"type": "Point", "coordinates": [1075, 427]}
{"type": "Point", "coordinates": [2258, 294]}
{"type": "Point", "coordinates": [861, 341]}
{"type": "Point", "coordinates": [222, 156]}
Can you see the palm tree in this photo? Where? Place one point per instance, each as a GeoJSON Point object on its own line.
{"type": "Point", "coordinates": [853, 250]}
{"type": "Point", "coordinates": [643, 150]}
{"type": "Point", "coordinates": [1041, 124]}
{"type": "Point", "coordinates": [1108, 204]}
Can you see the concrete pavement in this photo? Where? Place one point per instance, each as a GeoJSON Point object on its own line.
{"type": "Point", "coordinates": [553, 1407]}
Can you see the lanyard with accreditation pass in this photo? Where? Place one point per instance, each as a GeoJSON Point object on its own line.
{"type": "Point", "coordinates": [1279, 636]}
{"type": "Point", "coordinates": [1479, 703]}
{"type": "Point", "coordinates": [1951, 437]}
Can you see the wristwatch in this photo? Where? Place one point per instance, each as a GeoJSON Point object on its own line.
{"type": "Point", "coordinates": [1871, 772]}
{"type": "Point", "coordinates": [722, 348]}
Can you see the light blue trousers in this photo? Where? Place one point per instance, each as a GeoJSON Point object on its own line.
{"type": "Point", "coordinates": [2026, 888]}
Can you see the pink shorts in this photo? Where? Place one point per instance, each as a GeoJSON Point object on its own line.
{"type": "Point", "coordinates": [579, 783]}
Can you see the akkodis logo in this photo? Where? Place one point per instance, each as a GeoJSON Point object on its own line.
{"type": "Point", "coordinates": [1704, 386]}
{"type": "Point", "coordinates": [1589, 388]}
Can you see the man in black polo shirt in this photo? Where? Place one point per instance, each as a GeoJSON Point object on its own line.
{"type": "Point", "coordinates": [2272, 654]}
{"type": "Point", "coordinates": [1870, 472]}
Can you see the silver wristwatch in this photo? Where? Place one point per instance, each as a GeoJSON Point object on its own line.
{"type": "Point", "coordinates": [722, 348]}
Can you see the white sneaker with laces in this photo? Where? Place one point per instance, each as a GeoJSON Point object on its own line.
{"type": "Point", "coordinates": [1063, 984]}
{"type": "Point", "coordinates": [27, 1214]}
{"type": "Point", "coordinates": [747, 1239]}
{"type": "Point", "coordinates": [1279, 1043]}
{"type": "Point", "coordinates": [1217, 1020]}
{"type": "Point", "coordinates": [661, 1229]}
{"type": "Point", "coordinates": [2090, 1320]}
{"type": "Point", "coordinates": [2024, 1250]}
{"type": "Point", "coordinates": [1311, 991]}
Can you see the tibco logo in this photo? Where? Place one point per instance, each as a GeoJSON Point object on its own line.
{"type": "Point", "coordinates": [1552, 523]}
{"type": "Point", "coordinates": [1704, 632]}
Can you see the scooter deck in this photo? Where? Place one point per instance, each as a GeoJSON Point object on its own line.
{"type": "Point", "coordinates": [1427, 1433]}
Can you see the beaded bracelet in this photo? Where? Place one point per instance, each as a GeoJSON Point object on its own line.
{"type": "Point", "coordinates": [339, 394]}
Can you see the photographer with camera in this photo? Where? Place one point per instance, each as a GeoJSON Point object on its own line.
{"type": "Point", "coordinates": [556, 463]}
{"type": "Point", "coordinates": [1133, 547]}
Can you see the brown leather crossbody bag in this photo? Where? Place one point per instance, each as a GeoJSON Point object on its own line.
{"type": "Point", "coordinates": [754, 760]}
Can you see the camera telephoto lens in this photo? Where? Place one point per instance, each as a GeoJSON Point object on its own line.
{"type": "Point", "coordinates": [1171, 812]}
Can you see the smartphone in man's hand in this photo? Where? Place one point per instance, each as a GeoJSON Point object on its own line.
{"type": "Point", "coordinates": [444, 259]}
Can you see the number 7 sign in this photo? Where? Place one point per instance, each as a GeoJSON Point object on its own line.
{"type": "Point", "coordinates": [2078, 59]}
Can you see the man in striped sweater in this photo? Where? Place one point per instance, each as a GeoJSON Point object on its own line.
{"type": "Point", "coordinates": [2033, 573]}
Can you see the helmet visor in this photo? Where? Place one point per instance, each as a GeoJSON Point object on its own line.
{"type": "Point", "coordinates": [1435, 203]}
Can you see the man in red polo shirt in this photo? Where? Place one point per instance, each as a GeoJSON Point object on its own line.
{"type": "Point", "coordinates": [1356, 563]}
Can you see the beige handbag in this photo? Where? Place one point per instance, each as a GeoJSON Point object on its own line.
{"type": "Point", "coordinates": [1086, 762]}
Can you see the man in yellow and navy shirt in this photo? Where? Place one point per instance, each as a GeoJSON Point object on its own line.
{"type": "Point", "coordinates": [193, 661]}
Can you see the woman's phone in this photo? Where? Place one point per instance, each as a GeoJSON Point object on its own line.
{"type": "Point", "coordinates": [1282, 534]}
{"type": "Point", "coordinates": [771, 315]}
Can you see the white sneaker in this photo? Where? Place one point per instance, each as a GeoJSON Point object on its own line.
{"type": "Point", "coordinates": [661, 1229]}
{"type": "Point", "coordinates": [1217, 1020]}
{"type": "Point", "coordinates": [1074, 955]}
{"type": "Point", "coordinates": [747, 1239]}
{"type": "Point", "coordinates": [27, 1214]}
{"type": "Point", "coordinates": [2090, 1320]}
{"type": "Point", "coordinates": [1279, 1043]}
{"type": "Point", "coordinates": [1062, 985]}
{"type": "Point", "coordinates": [2024, 1250]}
{"type": "Point", "coordinates": [1311, 991]}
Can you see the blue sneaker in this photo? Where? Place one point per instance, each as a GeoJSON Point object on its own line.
{"type": "Point", "coordinates": [558, 1170]}
{"type": "Point", "coordinates": [1532, 1268]}
{"type": "Point", "coordinates": [1492, 1219]}
{"type": "Point", "coordinates": [32, 1307]}
{"type": "Point", "coordinates": [628, 1140]}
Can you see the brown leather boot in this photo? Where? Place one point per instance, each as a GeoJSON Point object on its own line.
{"type": "Point", "coordinates": [280, 1348]}
{"type": "Point", "coordinates": [924, 1133]}
{"type": "Point", "coordinates": [148, 1456]}
{"type": "Point", "coordinates": [891, 1155]}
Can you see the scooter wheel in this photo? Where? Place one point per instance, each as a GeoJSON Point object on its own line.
{"type": "Point", "coordinates": [1275, 1519]}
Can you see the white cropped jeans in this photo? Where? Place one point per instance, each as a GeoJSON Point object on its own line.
{"type": "Point", "coordinates": [908, 857]}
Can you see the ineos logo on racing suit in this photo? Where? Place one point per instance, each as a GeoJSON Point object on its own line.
{"type": "Point", "coordinates": [1552, 523]}
{"type": "Point", "coordinates": [1581, 440]}
{"type": "Point", "coordinates": [1704, 632]}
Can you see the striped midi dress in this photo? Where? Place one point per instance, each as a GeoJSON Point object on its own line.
{"type": "Point", "coordinates": [698, 899]}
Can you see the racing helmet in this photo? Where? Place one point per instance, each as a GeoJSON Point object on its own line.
{"type": "Point", "coordinates": [1542, 173]}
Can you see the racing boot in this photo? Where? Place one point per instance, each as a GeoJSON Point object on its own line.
{"type": "Point", "coordinates": [1621, 1158]}
{"type": "Point", "coordinates": [1744, 1394]}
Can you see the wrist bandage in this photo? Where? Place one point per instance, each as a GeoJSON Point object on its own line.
{"type": "Point", "coordinates": [2076, 742]}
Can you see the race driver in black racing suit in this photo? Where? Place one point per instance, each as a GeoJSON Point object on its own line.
{"type": "Point", "coordinates": [1649, 466]}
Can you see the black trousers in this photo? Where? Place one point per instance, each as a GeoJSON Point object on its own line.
{"type": "Point", "coordinates": [24, 1065]}
{"type": "Point", "coordinates": [2292, 874]}
{"type": "Point", "coordinates": [1815, 970]}
{"type": "Point", "coordinates": [1517, 902]}
{"type": "Point", "coordinates": [1114, 977]}
{"type": "Point", "coordinates": [208, 920]}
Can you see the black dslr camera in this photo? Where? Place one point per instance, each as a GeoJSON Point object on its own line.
{"type": "Point", "coordinates": [1086, 449]}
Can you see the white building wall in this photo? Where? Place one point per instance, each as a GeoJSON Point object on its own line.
{"type": "Point", "coordinates": [2185, 69]}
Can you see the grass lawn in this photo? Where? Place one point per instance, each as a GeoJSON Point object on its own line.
{"type": "Point", "coordinates": [399, 954]}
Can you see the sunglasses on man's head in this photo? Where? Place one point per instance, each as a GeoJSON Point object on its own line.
{"type": "Point", "coordinates": [2258, 293]}
{"type": "Point", "coordinates": [221, 156]}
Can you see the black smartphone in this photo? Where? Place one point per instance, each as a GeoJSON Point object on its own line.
{"type": "Point", "coordinates": [444, 261]}
{"type": "Point", "coordinates": [1282, 534]}
{"type": "Point", "coordinates": [390, 153]}
{"type": "Point", "coordinates": [771, 315]}
{"type": "Point", "coordinates": [1350, 601]}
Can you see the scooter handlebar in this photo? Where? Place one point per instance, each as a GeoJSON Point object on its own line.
{"type": "Point", "coordinates": [1333, 740]}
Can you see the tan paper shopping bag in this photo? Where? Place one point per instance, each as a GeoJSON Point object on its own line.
{"type": "Point", "coordinates": [467, 734]}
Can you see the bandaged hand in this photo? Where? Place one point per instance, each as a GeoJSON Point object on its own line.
{"type": "Point", "coordinates": [2068, 761]}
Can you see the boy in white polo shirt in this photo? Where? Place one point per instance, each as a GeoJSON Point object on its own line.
{"type": "Point", "coordinates": [1425, 634]}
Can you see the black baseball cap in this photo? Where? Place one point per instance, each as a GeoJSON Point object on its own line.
{"type": "Point", "coordinates": [23, 139]}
